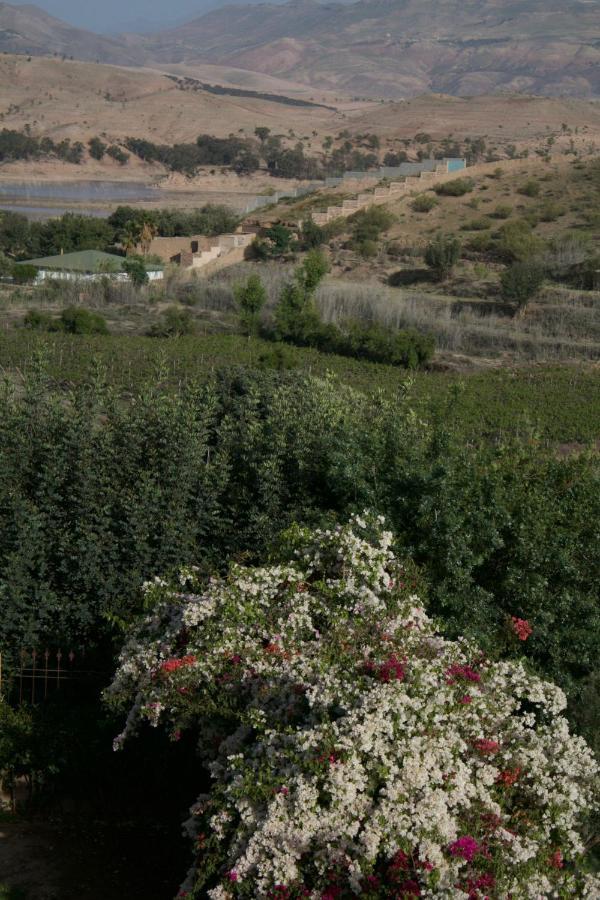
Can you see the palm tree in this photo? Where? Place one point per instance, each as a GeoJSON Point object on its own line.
{"type": "Point", "coordinates": [147, 235]}
{"type": "Point", "coordinates": [131, 238]}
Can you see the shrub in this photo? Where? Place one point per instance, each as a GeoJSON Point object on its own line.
{"type": "Point", "coordinates": [531, 188]}
{"type": "Point", "coordinates": [424, 203]}
{"type": "Point", "coordinates": [551, 211]}
{"type": "Point", "coordinates": [480, 243]}
{"type": "Point", "coordinates": [24, 274]}
{"type": "Point", "coordinates": [457, 188]}
{"type": "Point", "coordinates": [476, 225]}
{"type": "Point", "coordinates": [517, 242]}
{"type": "Point", "coordinates": [397, 348]}
{"type": "Point", "coordinates": [173, 322]}
{"type": "Point", "coordinates": [521, 281]}
{"type": "Point", "coordinates": [353, 750]}
{"type": "Point", "coordinates": [76, 320]}
{"type": "Point", "coordinates": [367, 227]}
{"type": "Point", "coordinates": [135, 268]}
{"type": "Point", "coordinates": [502, 211]}
{"type": "Point", "coordinates": [366, 248]}
{"type": "Point", "coordinates": [37, 320]}
{"type": "Point", "coordinates": [278, 357]}
{"type": "Point", "coordinates": [442, 254]}
{"type": "Point", "coordinates": [276, 241]}
{"type": "Point", "coordinates": [311, 235]}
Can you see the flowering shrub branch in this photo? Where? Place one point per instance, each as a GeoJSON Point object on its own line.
{"type": "Point", "coordinates": [354, 751]}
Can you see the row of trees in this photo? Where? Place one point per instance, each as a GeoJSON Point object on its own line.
{"type": "Point", "coordinates": [16, 145]}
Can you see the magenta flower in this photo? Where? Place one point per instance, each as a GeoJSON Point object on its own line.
{"type": "Point", "coordinates": [464, 673]}
{"type": "Point", "coordinates": [466, 847]}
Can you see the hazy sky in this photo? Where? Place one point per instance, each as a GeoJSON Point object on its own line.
{"type": "Point", "coordinates": [113, 15]}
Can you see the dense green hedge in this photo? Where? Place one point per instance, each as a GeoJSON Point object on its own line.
{"type": "Point", "coordinates": [98, 494]}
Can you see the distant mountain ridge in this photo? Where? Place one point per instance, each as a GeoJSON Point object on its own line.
{"type": "Point", "coordinates": [29, 30]}
{"type": "Point", "coordinates": [385, 48]}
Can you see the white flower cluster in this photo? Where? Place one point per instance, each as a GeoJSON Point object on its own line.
{"type": "Point", "coordinates": [354, 751]}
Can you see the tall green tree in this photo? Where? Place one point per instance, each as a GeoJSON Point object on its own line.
{"type": "Point", "coordinates": [250, 298]}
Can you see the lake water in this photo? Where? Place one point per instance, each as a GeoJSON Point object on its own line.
{"type": "Point", "coordinates": [80, 191]}
{"type": "Point", "coordinates": [27, 197]}
{"type": "Point", "coordinates": [15, 196]}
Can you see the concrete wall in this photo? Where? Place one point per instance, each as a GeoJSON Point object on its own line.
{"type": "Point", "coordinates": [445, 170]}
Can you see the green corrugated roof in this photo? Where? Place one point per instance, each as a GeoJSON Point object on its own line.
{"type": "Point", "coordinates": [92, 261]}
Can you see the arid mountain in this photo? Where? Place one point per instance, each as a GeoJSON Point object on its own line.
{"type": "Point", "coordinates": [373, 48]}
{"type": "Point", "coordinates": [395, 48]}
{"type": "Point", "coordinates": [29, 30]}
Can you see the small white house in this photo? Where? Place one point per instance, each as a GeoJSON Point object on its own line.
{"type": "Point", "coordinates": [86, 265]}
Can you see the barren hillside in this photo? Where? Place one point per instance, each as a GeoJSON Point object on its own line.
{"type": "Point", "coordinates": [64, 98]}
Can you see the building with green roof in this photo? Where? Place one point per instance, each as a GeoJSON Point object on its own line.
{"type": "Point", "coordinates": [86, 265]}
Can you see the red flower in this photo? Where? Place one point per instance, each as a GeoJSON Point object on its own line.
{"type": "Point", "coordinates": [391, 670]}
{"type": "Point", "coordinates": [465, 699]}
{"type": "Point", "coordinates": [408, 889]}
{"type": "Point", "coordinates": [171, 665]}
{"type": "Point", "coordinates": [331, 893]}
{"type": "Point", "coordinates": [401, 860]}
{"type": "Point", "coordinates": [521, 628]}
{"type": "Point", "coordinates": [509, 777]}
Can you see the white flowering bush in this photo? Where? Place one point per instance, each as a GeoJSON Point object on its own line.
{"type": "Point", "coordinates": [353, 750]}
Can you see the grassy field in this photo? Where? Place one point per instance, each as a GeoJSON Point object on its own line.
{"type": "Point", "coordinates": [560, 404]}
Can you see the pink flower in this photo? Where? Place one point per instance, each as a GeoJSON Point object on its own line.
{"type": "Point", "coordinates": [521, 628]}
{"type": "Point", "coordinates": [556, 861]}
{"type": "Point", "coordinates": [466, 847]}
{"type": "Point", "coordinates": [483, 745]}
{"type": "Point", "coordinates": [233, 875]}
{"type": "Point", "coordinates": [465, 699]}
